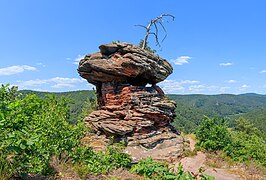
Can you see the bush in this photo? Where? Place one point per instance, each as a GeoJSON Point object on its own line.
{"type": "Point", "coordinates": [101, 162]}
{"type": "Point", "coordinates": [244, 143]}
{"type": "Point", "coordinates": [213, 134]}
{"type": "Point", "coordinates": [157, 170]}
{"type": "Point", "coordinates": [33, 129]}
{"type": "Point", "coordinates": [247, 143]}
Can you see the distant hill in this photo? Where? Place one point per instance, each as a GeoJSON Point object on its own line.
{"type": "Point", "coordinates": [190, 108]}
{"type": "Point", "coordinates": [253, 94]}
{"type": "Point", "coordinates": [223, 104]}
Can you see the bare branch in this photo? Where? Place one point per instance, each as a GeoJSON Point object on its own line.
{"type": "Point", "coordinates": [170, 15]}
{"type": "Point", "coordinates": [154, 22]}
{"type": "Point", "coordinates": [156, 38]}
{"type": "Point", "coordinates": [141, 26]}
{"type": "Point", "coordinates": [164, 31]}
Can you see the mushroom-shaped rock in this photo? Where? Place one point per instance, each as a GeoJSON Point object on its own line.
{"type": "Point", "coordinates": [123, 62]}
{"type": "Point", "coordinates": [127, 109]}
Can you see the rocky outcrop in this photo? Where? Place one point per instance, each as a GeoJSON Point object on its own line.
{"type": "Point", "coordinates": [127, 109]}
{"type": "Point", "coordinates": [124, 62]}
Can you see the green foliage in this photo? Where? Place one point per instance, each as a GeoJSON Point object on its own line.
{"type": "Point", "coordinates": [244, 143]}
{"type": "Point", "coordinates": [247, 143]}
{"type": "Point", "coordinates": [245, 148]}
{"type": "Point", "coordinates": [257, 117]}
{"type": "Point", "coordinates": [32, 129]}
{"type": "Point", "coordinates": [115, 42]}
{"type": "Point", "coordinates": [191, 108]}
{"type": "Point", "coordinates": [149, 168]}
{"type": "Point", "coordinates": [212, 134]}
{"type": "Point", "coordinates": [101, 162]}
{"type": "Point", "coordinates": [89, 106]}
{"type": "Point", "coordinates": [246, 127]}
{"type": "Point", "coordinates": [187, 117]}
{"type": "Point", "coordinates": [157, 170]}
{"type": "Point", "coordinates": [78, 101]}
{"type": "Point", "coordinates": [147, 47]}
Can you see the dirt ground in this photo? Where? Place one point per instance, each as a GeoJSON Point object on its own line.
{"type": "Point", "coordinates": [200, 160]}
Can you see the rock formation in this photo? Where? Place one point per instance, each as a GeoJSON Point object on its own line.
{"type": "Point", "coordinates": [127, 109]}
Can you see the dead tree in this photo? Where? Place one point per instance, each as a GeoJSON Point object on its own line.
{"type": "Point", "coordinates": [155, 22]}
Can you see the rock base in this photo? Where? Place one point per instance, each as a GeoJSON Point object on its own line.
{"type": "Point", "coordinates": [166, 146]}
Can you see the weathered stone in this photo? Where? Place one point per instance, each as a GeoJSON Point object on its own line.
{"type": "Point", "coordinates": [124, 62]}
{"type": "Point", "coordinates": [127, 109]}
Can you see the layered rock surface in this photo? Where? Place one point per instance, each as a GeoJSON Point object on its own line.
{"type": "Point", "coordinates": [123, 62]}
{"type": "Point", "coordinates": [127, 109]}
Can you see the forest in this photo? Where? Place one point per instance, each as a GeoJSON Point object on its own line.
{"type": "Point", "coordinates": [41, 134]}
{"type": "Point", "coordinates": [190, 109]}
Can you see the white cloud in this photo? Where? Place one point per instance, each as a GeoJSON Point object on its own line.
{"type": "Point", "coordinates": [173, 86]}
{"type": "Point", "coordinates": [36, 82]}
{"type": "Point", "coordinates": [244, 87]}
{"type": "Point", "coordinates": [181, 60]}
{"type": "Point", "coordinates": [226, 64]}
{"type": "Point", "coordinates": [56, 82]}
{"type": "Point", "coordinates": [196, 88]}
{"type": "Point", "coordinates": [189, 82]}
{"type": "Point", "coordinates": [63, 86]}
{"type": "Point", "coordinates": [78, 58]}
{"type": "Point", "coordinates": [15, 69]}
{"type": "Point", "coordinates": [61, 80]}
{"type": "Point", "coordinates": [231, 81]}
{"type": "Point", "coordinates": [224, 89]}
{"type": "Point", "coordinates": [263, 71]}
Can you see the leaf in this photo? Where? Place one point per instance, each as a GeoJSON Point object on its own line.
{"type": "Point", "coordinates": [22, 146]}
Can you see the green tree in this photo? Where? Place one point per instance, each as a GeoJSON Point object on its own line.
{"type": "Point", "coordinates": [246, 127]}
{"type": "Point", "coordinates": [213, 134]}
{"type": "Point", "coordinates": [246, 147]}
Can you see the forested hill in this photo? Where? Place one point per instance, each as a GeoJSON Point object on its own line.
{"type": "Point", "coordinates": [190, 108]}
{"type": "Point", "coordinates": [223, 104]}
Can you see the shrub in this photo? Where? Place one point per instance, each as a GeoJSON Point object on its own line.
{"type": "Point", "coordinates": [212, 134]}
{"type": "Point", "coordinates": [101, 162]}
{"type": "Point", "coordinates": [33, 129]}
{"type": "Point", "coordinates": [244, 143]}
{"type": "Point", "coordinates": [247, 143]}
{"type": "Point", "coordinates": [158, 170]}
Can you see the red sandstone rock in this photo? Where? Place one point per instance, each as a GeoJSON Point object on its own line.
{"type": "Point", "coordinates": [127, 109]}
{"type": "Point", "coordinates": [124, 62]}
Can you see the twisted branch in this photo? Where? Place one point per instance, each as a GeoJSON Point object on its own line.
{"type": "Point", "coordinates": [155, 22]}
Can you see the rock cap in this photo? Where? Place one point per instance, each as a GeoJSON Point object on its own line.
{"type": "Point", "coordinates": [124, 62]}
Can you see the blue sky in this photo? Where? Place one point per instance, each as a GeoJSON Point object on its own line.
{"type": "Point", "coordinates": [214, 46]}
